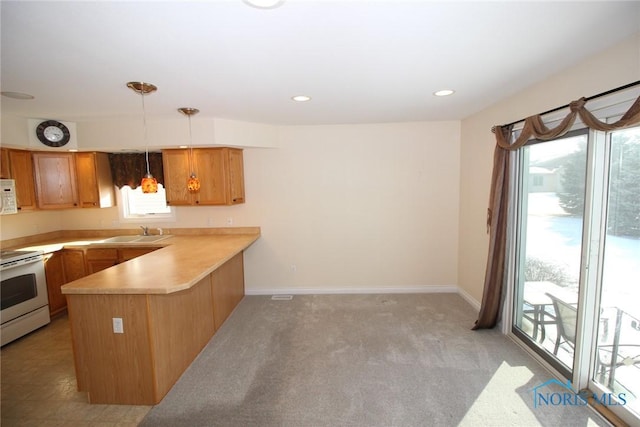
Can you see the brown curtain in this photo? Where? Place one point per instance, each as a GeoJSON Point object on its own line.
{"type": "Point", "coordinates": [129, 168]}
{"type": "Point", "coordinates": [499, 199]}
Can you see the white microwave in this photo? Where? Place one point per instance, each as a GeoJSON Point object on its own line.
{"type": "Point", "coordinates": [8, 200]}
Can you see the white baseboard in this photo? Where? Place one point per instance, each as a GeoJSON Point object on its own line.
{"type": "Point", "coordinates": [329, 291]}
{"type": "Point", "coordinates": [468, 298]}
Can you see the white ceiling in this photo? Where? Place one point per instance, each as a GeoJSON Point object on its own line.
{"type": "Point", "coordinates": [360, 61]}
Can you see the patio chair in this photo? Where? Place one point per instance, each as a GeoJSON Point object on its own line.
{"type": "Point", "coordinates": [566, 318]}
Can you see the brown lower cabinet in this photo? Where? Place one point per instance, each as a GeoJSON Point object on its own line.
{"type": "Point", "coordinates": [68, 264]}
{"type": "Point", "coordinates": [74, 264]}
{"type": "Point", "coordinates": [163, 333]}
{"type": "Point", "coordinates": [125, 254]}
{"type": "Point", "coordinates": [100, 259]}
{"type": "Point", "coordinates": [54, 273]}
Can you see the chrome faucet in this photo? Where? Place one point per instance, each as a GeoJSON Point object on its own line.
{"type": "Point", "coordinates": [145, 230]}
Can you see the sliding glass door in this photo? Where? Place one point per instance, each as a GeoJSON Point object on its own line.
{"type": "Point", "coordinates": [617, 348]}
{"type": "Point", "coordinates": [549, 246]}
{"type": "Point", "coordinates": [576, 299]}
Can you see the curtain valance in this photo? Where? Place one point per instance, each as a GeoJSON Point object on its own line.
{"type": "Point", "coordinates": [129, 168]}
{"type": "Point", "coordinates": [534, 127]}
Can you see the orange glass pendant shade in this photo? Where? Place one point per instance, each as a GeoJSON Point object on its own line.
{"type": "Point", "coordinates": [149, 184]}
{"type": "Point", "coordinates": [193, 184]}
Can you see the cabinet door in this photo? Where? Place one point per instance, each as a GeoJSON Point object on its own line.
{"type": "Point", "coordinates": [21, 166]}
{"type": "Point", "coordinates": [74, 267]}
{"type": "Point", "coordinates": [211, 168]}
{"type": "Point", "coordinates": [54, 272]}
{"type": "Point", "coordinates": [55, 180]}
{"type": "Point", "coordinates": [175, 164]}
{"type": "Point", "coordinates": [125, 254]}
{"type": "Point", "coordinates": [236, 176]}
{"type": "Point", "coordinates": [100, 259]}
{"type": "Point", "coordinates": [95, 186]}
{"type": "Point", "coordinates": [4, 163]}
{"type": "Point", "coordinates": [88, 184]}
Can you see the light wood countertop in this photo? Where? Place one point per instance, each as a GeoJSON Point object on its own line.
{"type": "Point", "coordinates": [184, 258]}
{"type": "Point", "coordinates": [181, 263]}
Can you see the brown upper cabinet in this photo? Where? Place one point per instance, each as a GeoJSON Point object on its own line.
{"type": "Point", "coordinates": [4, 164]}
{"type": "Point", "coordinates": [17, 165]}
{"type": "Point", "coordinates": [220, 171]}
{"type": "Point", "coordinates": [56, 180]}
{"type": "Point", "coordinates": [69, 180]}
{"type": "Point", "coordinates": [95, 184]}
{"type": "Point", "coordinates": [236, 176]}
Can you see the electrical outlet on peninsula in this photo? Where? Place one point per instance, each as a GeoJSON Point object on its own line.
{"type": "Point", "coordinates": [118, 327]}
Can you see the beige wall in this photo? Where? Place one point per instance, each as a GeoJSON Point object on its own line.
{"type": "Point", "coordinates": [612, 68]}
{"type": "Point", "coordinates": [348, 207]}
{"type": "Point", "coordinates": [29, 223]}
{"type": "Point", "coordinates": [356, 207]}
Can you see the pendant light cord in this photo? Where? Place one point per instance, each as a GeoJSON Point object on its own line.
{"type": "Point", "coordinates": [144, 125]}
{"type": "Point", "coordinates": [190, 148]}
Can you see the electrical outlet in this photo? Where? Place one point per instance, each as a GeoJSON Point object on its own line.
{"type": "Point", "coordinates": [118, 327]}
{"type": "Point", "coordinates": [229, 221]}
{"type": "Point", "coordinates": [293, 268]}
{"type": "Point", "coordinates": [211, 222]}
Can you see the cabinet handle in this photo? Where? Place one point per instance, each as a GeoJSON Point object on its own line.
{"type": "Point", "coordinates": [197, 202]}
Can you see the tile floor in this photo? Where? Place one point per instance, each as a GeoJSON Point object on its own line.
{"type": "Point", "coordinates": [38, 385]}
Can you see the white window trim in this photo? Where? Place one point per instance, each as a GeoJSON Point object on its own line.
{"type": "Point", "coordinates": [125, 217]}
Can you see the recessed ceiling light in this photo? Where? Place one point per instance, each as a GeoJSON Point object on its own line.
{"type": "Point", "coordinates": [17, 95]}
{"type": "Point", "coordinates": [444, 92]}
{"type": "Point", "coordinates": [301, 98]}
{"type": "Point", "coordinates": [264, 4]}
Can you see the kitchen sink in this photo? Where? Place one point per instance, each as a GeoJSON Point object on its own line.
{"type": "Point", "coordinates": [120, 239]}
{"type": "Point", "coordinates": [136, 239]}
{"type": "Point", "coordinates": [155, 238]}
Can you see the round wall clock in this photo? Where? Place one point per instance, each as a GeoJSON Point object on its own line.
{"type": "Point", "coordinates": [52, 133]}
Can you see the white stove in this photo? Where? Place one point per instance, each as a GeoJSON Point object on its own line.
{"type": "Point", "coordinates": [23, 294]}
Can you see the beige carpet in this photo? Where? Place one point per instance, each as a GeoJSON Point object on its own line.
{"type": "Point", "coordinates": [360, 360]}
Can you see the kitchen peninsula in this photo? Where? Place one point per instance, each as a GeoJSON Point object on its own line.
{"type": "Point", "coordinates": [138, 325]}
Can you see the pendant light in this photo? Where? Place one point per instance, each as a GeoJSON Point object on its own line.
{"type": "Point", "coordinates": [193, 183]}
{"type": "Point", "coordinates": [149, 184]}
